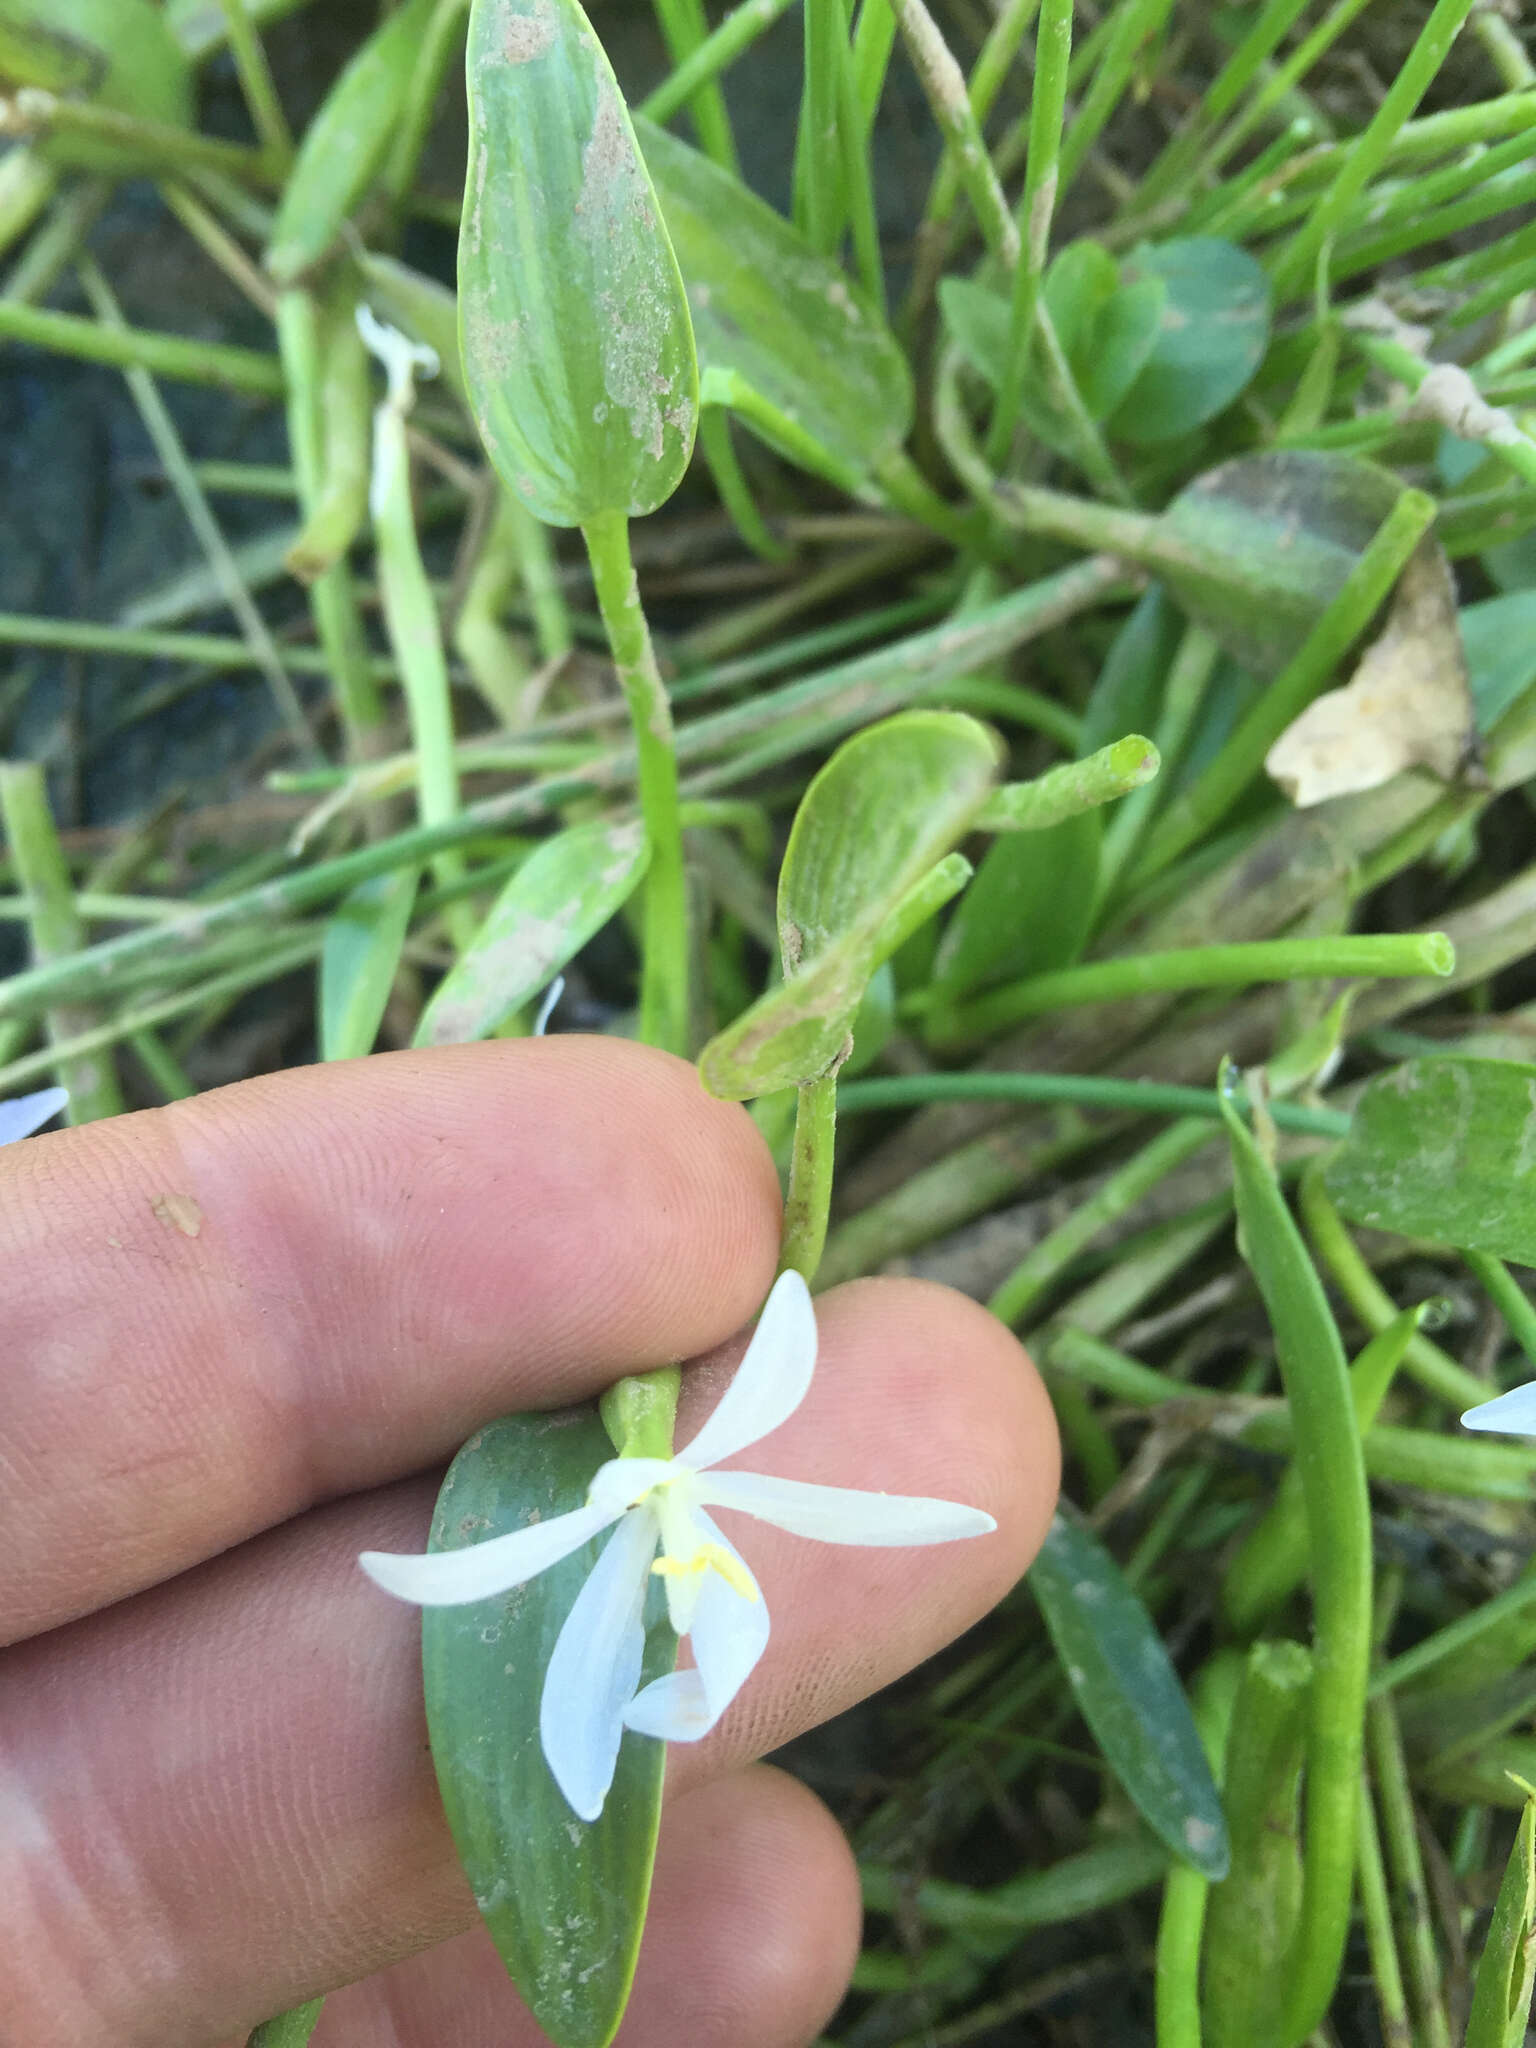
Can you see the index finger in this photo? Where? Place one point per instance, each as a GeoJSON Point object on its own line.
{"type": "Point", "coordinates": [222, 1312]}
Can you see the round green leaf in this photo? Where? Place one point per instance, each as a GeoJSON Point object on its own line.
{"type": "Point", "coordinates": [578, 350]}
{"type": "Point", "coordinates": [1211, 338]}
{"type": "Point", "coordinates": [1268, 541]}
{"type": "Point", "coordinates": [887, 807]}
{"type": "Point", "coordinates": [564, 1899]}
{"type": "Point", "coordinates": [1445, 1148]}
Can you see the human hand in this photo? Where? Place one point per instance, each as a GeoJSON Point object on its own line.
{"type": "Point", "coordinates": [215, 1792]}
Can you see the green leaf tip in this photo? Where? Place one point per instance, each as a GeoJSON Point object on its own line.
{"type": "Point", "coordinates": [578, 346]}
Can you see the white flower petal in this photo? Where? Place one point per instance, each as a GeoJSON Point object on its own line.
{"type": "Point", "coordinates": [771, 1380]}
{"type": "Point", "coordinates": [673, 1709]}
{"type": "Point", "coordinates": [1514, 1412]}
{"type": "Point", "coordinates": [452, 1578]}
{"type": "Point", "coordinates": [25, 1114]}
{"type": "Point", "coordinates": [595, 1668]}
{"type": "Point", "coordinates": [729, 1635]}
{"type": "Point", "coordinates": [621, 1482]}
{"type": "Point", "coordinates": [841, 1514]}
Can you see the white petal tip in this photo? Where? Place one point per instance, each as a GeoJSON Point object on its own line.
{"type": "Point", "coordinates": [1513, 1413]}
{"type": "Point", "coordinates": [383, 1568]}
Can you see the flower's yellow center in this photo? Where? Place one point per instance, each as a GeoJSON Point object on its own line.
{"type": "Point", "coordinates": [709, 1557]}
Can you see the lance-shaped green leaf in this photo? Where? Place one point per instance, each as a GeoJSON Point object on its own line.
{"type": "Point", "coordinates": [564, 1899]}
{"type": "Point", "coordinates": [887, 807]}
{"type": "Point", "coordinates": [1501, 1991]}
{"type": "Point", "coordinates": [806, 348]}
{"type": "Point", "coordinates": [119, 53]}
{"type": "Point", "coordinates": [1445, 1148]}
{"type": "Point", "coordinates": [359, 958]}
{"type": "Point", "coordinates": [1028, 911]}
{"type": "Point", "coordinates": [1129, 1692]}
{"type": "Point", "coordinates": [562, 895]}
{"type": "Point", "coordinates": [346, 142]}
{"type": "Point", "coordinates": [577, 343]}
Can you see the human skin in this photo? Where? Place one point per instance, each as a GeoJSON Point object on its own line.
{"type": "Point", "coordinates": [215, 1792]}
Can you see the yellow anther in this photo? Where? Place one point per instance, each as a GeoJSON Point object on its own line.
{"type": "Point", "coordinates": [709, 1557]}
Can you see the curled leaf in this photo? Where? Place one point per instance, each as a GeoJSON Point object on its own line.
{"type": "Point", "coordinates": [1408, 704]}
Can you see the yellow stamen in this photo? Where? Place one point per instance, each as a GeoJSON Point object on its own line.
{"type": "Point", "coordinates": [709, 1557]}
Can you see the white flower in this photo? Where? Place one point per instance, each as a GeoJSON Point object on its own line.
{"type": "Point", "coordinates": [24, 1114]}
{"type": "Point", "coordinates": [1514, 1413]}
{"type": "Point", "coordinates": [660, 1504]}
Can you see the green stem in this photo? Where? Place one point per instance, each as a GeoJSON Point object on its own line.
{"type": "Point", "coordinates": [1181, 1924]}
{"type": "Point", "coordinates": [1195, 967]}
{"type": "Point", "coordinates": [134, 643]}
{"type": "Point", "coordinates": [333, 600]}
{"type": "Point", "coordinates": [686, 31]}
{"type": "Point", "coordinates": [1457, 1637]}
{"type": "Point", "coordinates": [819, 209]}
{"type": "Point", "coordinates": [735, 492]}
{"type": "Point", "coordinates": [1193, 667]}
{"type": "Point", "coordinates": [141, 144]}
{"type": "Point", "coordinates": [1131, 25]}
{"type": "Point", "coordinates": [1380, 1935]}
{"type": "Point", "coordinates": [1368, 152]}
{"type": "Point", "coordinates": [1426, 1459]}
{"type": "Point", "coordinates": [949, 102]}
{"type": "Point", "coordinates": [266, 109]}
{"type": "Point", "coordinates": [640, 1410]}
{"type": "Point", "coordinates": [664, 1005]}
{"type": "Point", "coordinates": [1047, 107]}
{"type": "Point", "coordinates": [1400, 1833]}
{"type": "Point", "coordinates": [993, 63]}
{"type": "Point", "coordinates": [247, 372]}
{"type": "Point", "coordinates": [736, 34]}
{"type": "Point", "coordinates": [167, 443]}
{"type": "Point", "coordinates": [1040, 1267]}
{"type": "Point", "coordinates": [810, 1178]}
{"type": "Point", "coordinates": [1507, 1296]}
{"type": "Point", "coordinates": [57, 929]}
{"type": "Point", "coordinates": [1076, 786]}
{"type": "Point", "coordinates": [1171, 168]}
{"type": "Point", "coordinates": [1089, 1091]}
{"type": "Point", "coordinates": [1423, 1361]}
